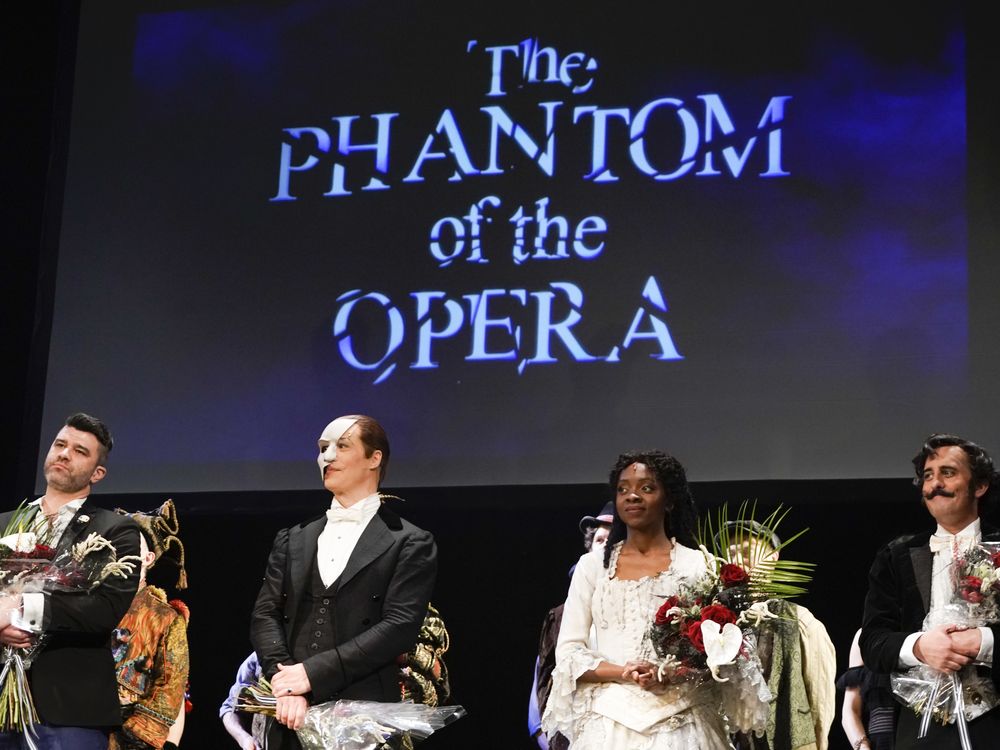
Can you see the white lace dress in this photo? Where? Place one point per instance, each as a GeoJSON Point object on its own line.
{"type": "Point", "coordinates": [616, 716]}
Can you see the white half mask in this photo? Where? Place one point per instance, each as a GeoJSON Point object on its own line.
{"type": "Point", "coordinates": [328, 440]}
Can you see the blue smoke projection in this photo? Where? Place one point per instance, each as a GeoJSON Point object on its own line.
{"type": "Point", "coordinates": [525, 242]}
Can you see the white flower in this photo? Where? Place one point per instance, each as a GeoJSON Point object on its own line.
{"type": "Point", "coordinates": [755, 614]}
{"type": "Point", "coordinates": [21, 542]}
{"type": "Point", "coordinates": [722, 645]}
{"type": "Point", "coordinates": [666, 666]}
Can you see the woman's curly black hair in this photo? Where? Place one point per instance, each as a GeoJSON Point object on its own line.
{"type": "Point", "coordinates": [679, 521]}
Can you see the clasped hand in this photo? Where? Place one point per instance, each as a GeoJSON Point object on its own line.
{"type": "Point", "coordinates": [948, 648]}
{"type": "Point", "coordinates": [289, 685]}
{"type": "Point", "coordinates": [290, 680]}
{"type": "Point", "coordinates": [10, 635]}
{"type": "Point", "coordinates": [643, 674]}
{"type": "Point", "coordinates": [8, 604]}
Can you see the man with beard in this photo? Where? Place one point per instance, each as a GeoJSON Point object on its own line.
{"type": "Point", "coordinates": [912, 579]}
{"type": "Point", "coordinates": [72, 677]}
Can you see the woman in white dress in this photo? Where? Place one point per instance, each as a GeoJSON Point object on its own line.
{"type": "Point", "coordinates": [605, 694]}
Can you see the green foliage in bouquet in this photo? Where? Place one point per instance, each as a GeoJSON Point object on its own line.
{"type": "Point", "coordinates": [755, 546]}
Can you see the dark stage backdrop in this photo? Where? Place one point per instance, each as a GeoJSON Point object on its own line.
{"type": "Point", "coordinates": [507, 543]}
{"type": "Point", "coordinates": [521, 238]}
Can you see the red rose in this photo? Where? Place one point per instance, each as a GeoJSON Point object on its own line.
{"type": "Point", "coordinates": [718, 613]}
{"type": "Point", "coordinates": [662, 618]}
{"type": "Point", "coordinates": [733, 575]}
{"type": "Point", "coordinates": [970, 589]}
{"type": "Point", "coordinates": [973, 596]}
{"type": "Point", "coordinates": [694, 635]}
{"type": "Point", "coordinates": [995, 557]}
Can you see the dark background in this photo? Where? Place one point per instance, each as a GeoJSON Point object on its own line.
{"type": "Point", "coordinates": [504, 551]}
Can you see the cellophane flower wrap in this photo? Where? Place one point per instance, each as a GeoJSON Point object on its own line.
{"type": "Point", "coordinates": [356, 725]}
{"type": "Point", "coordinates": [706, 634]}
{"type": "Point", "coordinates": [958, 697]}
{"type": "Point", "coordinates": [29, 564]}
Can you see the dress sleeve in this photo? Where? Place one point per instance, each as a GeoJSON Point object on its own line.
{"type": "Point", "coordinates": [854, 677]}
{"type": "Point", "coordinates": [247, 674]}
{"type": "Point", "coordinates": [819, 666]}
{"type": "Point", "coordinates": [573, 653]}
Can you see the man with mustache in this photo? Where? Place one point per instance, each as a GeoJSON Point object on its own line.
{"type": "Point", "coordinates": [912, 577]}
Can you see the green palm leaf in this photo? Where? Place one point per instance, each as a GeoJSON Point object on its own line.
{"type": "Point", "coordinates": [755, 546]}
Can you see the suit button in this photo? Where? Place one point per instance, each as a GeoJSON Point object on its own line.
{"type": "Point", "coordinates": [326, 601]}
{"type": "Point", "coordinates": [322, 610]}
{"type": "Point", "coordinates": [320, 621]}
{"type": "Point", "coordinates": [318, 633]}
{"type": "Point", "coordinates": [375, 597]}
{"type": "Point", "coordinates": [314, 646]}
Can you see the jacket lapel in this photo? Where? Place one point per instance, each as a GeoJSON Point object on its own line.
{"type": "Point", "coordinates": [302, 548]}
{"type": "Point", "coordinates": [374, 541]}
{"type": "Point", "coordinates": [922, 561]}
{"type": "Point", "coordinates": [78, 528]}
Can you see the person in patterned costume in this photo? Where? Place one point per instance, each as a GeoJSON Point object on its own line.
{"type": "Point", "coordinates": [150, 645]}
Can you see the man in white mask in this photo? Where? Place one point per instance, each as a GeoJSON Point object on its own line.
{"type": "Point", "coordinates": [344, 594]}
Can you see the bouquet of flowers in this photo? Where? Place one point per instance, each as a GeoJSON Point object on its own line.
{"type": "Point", "coordinates": [977, 581]}
{"type": "Point", "coordinates": [708, 630]}
{"type": "Point", "coordinates": [958, 697]}
{"type": "Point", "coordinates": [28, 564]}
{"type": "Point", "coordinates": [356, 725]}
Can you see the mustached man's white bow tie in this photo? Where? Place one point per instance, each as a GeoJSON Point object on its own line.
{"type": "Point", "coordinates": [949, 542]}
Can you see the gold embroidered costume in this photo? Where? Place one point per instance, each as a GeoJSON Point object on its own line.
{"type": "Point", "coordinates": [151, 659]}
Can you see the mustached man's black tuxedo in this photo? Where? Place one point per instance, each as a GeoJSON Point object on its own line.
{"type": "Point", "coordinates": [899, 595]}
{"type": "Point", "coordinates": [348, 635]}
{"type": "Point", "coordinates": [73, 678]}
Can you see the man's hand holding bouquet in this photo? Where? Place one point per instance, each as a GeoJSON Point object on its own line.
{"type": "Point", "coordinates": [28, 563]}
{"type": "Point", "coordinates": [957, 697]}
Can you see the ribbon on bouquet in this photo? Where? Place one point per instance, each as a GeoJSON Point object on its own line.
{"type": "Point", "coordinates": [960, 721]}
{"type": "Point", "coordinates": [17, 709]}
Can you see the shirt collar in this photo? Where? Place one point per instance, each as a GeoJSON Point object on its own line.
{"type": "Point", "coordinates": [72, 506]}
{"type": "Point", "coordinates": [973, 530]}
{"type": "Point", "coordinates": [370, 503]}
